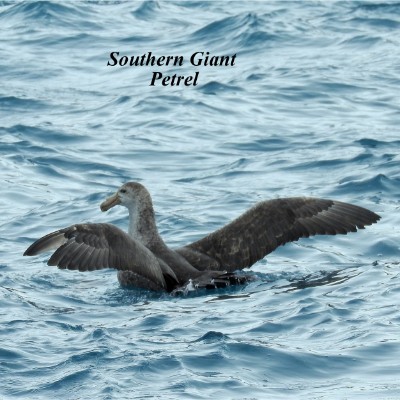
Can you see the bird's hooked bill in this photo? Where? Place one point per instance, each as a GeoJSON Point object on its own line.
{"type": "Point", "coordinates": [110, 202]}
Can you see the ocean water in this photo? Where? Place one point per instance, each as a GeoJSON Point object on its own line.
{"type": "Point", "coordinates": [311, 107]}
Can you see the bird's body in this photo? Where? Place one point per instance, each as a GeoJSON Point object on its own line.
{"type": "Point", "coordinates": [144, 260]}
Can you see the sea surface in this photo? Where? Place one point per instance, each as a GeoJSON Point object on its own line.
{"type": "Point", "coordinates": [311, 107]}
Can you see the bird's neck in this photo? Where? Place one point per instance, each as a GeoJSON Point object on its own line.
{"type": "Point", "coordinates": [142, 225]}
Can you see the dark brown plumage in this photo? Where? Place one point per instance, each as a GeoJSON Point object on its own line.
{"type": "Point", "coordinates": [144, 260]}
{"type": "Point", "coordinates": [273, 223]}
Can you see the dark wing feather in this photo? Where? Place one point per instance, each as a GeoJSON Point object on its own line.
{"type": "Point", "coordinates": [270, 224]}
{"type": "Point", "coordinates": [87, 247]}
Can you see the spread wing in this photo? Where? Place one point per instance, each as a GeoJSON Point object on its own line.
{"type": "Point", "coordinates": [88, 247]}
{"type": "Point", "coordinates": [270, 224]}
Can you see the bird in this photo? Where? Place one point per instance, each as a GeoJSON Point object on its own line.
{"type": "Point", "coordinates": [143, 259]}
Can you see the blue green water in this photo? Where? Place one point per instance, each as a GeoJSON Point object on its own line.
{"type": "Point", "coordinates": [311, 107]}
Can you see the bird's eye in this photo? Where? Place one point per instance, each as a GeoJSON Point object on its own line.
{"type": "Point", "coordinates": [122, 190]}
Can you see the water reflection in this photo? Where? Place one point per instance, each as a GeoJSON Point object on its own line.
{"type": "Point", "coordinates": [321, 278]}
{"type": "Point", "coordinates": [288, 282]}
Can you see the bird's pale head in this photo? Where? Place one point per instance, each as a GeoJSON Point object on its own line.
{"type": "Point", "coordinates": [127, 195]}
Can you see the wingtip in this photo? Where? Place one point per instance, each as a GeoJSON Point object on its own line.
{"type": "Point", "coordinates": [30, 251]}
{"type": "Point", "coordinates": [374, 218]}
{"type": "Point", "coordinates": [49, 242]}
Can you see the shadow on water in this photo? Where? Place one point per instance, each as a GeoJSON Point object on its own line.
{"type": "Point", "coordinates": [323, 278]}
{"type": "Point", "coordinates": [292, 282]}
